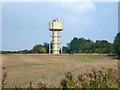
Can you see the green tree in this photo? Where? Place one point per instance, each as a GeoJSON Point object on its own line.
{"type": "Point", "coordinates": [91, 51]}
{"type": "Point", "coordinates": [112, 50]}
{"type": "Point", "coordinates": [25, 51]}
{"type": "Point", "coordinates": [78, 44]}
{"type": "Point", "coordinates": [89, 46]}
{"type": "Point", "coordinates": [86, 51]}
{"type": "Point", "coordinates": [42, 50]}
{"type": "Point", "coordinates": [65, 50]}
{"type": "Point", "coordinates": [96, 50]}
{"type": "Point", "coordinates": [80, 51]}
{"type": "Point", "coordinates": [105, 50]}
{"type": "Point", "coordinates": [117, 45]}
{"type": "Point", "coordinates": [36, 48]}
{"type": "Point", "coordinates": [102, 46]}
{"type": "Point", "coordinates": [46, 46]}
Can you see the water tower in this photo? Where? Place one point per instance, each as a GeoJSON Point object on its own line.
{"type": "Point", "coordinates": [55, 32]}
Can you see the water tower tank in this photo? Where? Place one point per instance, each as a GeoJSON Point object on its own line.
{"type": "Point", "coordinates": [55, 25]}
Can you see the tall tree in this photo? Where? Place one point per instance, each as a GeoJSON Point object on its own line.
{"type": "Point", "coordinates": [117, 44]}
{"type": "Point", "coordinates": [46, 46]}
{"type": "Point", "coordinates": [36, 48]}
{"type": "Point", "coordinates": [102, 46]}
{"type": "Point", "coordinates": [81, 45]}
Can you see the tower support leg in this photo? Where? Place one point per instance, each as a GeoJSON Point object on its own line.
{"type": "Point", "coordinates": [61, 42]}
{"type": "Point", "coordinates": [49, 42]}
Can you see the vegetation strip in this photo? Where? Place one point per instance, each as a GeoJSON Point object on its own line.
{"type": "Point", "coordinates": [28, 64]}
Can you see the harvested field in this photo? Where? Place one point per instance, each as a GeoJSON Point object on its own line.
{"type": "Point", "coordinates": [23, 69]}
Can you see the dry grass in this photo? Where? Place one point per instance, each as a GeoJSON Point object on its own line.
{"type": "Point", "coordinates": [23, 69]}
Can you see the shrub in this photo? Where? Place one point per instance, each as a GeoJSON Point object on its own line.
{"type": "Point", "coordinates": [42, 50]}
{"type": "Point", "coordinates": [96, 78]}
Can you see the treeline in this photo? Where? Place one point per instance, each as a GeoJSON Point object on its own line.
{"type": "Point", "coordinates": [36, 49]}
{"type": "Point", "coordinates": [78, 45]}
{"type": "Point", "coordinates": [81, 45]}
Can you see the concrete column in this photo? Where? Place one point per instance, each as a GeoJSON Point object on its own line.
{"type": "Point", "coordinates": [49, 42]}
{"type": "Point", "coordinates": [61, 42]}
{"type": "Point", "coordinates": [55, 42]}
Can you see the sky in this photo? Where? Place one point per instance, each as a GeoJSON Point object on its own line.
{"type": "Point", "coordinates": [25, 24]}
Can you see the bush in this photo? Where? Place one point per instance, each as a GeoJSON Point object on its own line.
{"type": "Point", "coordinates": [96, 78]}
{"type": "Point", "coordinates": [42, 50]}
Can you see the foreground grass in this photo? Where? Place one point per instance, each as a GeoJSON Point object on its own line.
{"type": "Point", "coordinates": [95, 78]}
{"type": "Point", "coordinates": [23, 69]}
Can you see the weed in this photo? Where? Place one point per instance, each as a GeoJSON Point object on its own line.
{"type": "Point", "coordinates": [4, 78]}
{"type": "Point", "coordinates": [96, 78]}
